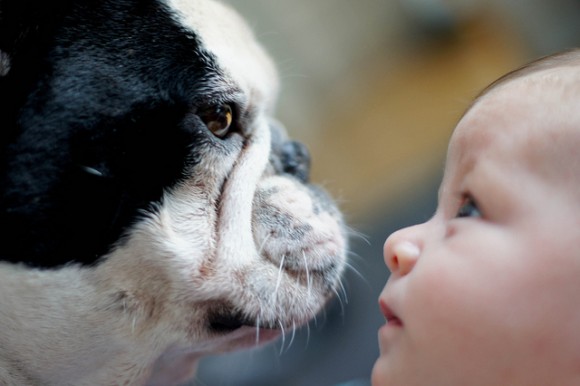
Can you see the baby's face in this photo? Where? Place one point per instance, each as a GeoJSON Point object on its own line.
{"type": "Point", "coordinates": [487, 291]}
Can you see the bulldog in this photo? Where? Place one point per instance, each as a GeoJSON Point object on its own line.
{"type": "Point", "coordinates": [152, 209]}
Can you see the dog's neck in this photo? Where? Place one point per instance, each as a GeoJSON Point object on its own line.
{"type": "Point", "coordinates": [49, 357]}
{"type": "Point", "coordinates": [49, 353]}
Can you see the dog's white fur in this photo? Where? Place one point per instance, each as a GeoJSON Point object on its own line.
{"type": "Point", "coordinates": [140, 316]}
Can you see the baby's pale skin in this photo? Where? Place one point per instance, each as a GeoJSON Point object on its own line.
{"type": "Point", "coordinates": [487, 292]}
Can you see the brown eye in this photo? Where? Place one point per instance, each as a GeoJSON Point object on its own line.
{"type": "Point", "coordinates": [218, 119]}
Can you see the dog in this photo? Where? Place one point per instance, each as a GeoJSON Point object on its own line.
{"type": "Point", "coordinates": [153, 210]}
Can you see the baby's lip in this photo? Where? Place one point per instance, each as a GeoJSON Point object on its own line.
{"type": "Point", "coordinates": [390, 316]}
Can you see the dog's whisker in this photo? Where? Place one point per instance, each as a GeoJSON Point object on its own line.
{"type": "Point", "coordinates": [343, 291]}
{"type": "Point", "coordinates": [279, 279]}
{"type": "Point", "coordinates": [258, 330]}
{"type": "Point", "coordinates": [291, 338]}
{"type": "Point", "coordinates": [283, 336]}
{"type": "Point", "coordinates": [342, 309]}
{"type": "Point", "coordinates": [308, 282]}
{"type": "Point", "coordinates": [353, 232]}
{"type": "Point", "coordinates": [315, 318]}
{"type": "Point", "coordinates": [262, 246]}
{"type": "Point", "coordinates": [293, 334]}
{"type": "Point", "coordinates": [351, 267]}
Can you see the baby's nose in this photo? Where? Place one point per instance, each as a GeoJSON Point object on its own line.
{"type": "Point", "coordinates": [400, 254]}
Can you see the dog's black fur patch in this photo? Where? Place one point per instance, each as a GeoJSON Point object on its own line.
{"type": "Point", "coordinates": [97, 118]}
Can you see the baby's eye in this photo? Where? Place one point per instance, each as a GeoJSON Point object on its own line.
{"type": "Point", "coordinates": [468, 208]}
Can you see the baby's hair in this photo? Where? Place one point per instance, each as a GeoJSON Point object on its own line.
{"type": "Point", "coordinates": [566, 58]}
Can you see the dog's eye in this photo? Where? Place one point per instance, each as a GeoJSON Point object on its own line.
{"type": "Point", "coordinates": [218, 119]}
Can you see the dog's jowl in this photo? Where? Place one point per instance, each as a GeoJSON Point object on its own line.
{"type": "Point", "coordinates": [152, 209]}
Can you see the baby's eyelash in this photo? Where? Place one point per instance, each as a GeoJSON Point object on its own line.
{"type": "Point", "coordinates": [468, 207]}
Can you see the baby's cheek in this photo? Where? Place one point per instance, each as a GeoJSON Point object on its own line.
{"type": "Point", "coordinates": [444, 300]}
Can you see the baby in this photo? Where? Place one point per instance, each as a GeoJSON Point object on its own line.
{"type": "Point", "coordinates": [487, 292]}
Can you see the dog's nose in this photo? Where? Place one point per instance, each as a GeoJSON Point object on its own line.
{"type": "Point", "coordinates": [296, 160]}
{"type": "Point", "coordinates": [289, 157]}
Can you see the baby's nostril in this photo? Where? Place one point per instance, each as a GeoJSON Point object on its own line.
{"type": "Point", "coordinates": [296, 160]}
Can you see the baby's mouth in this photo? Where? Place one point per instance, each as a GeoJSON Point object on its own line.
{"type": "Point", "coordinates": [390, 316]}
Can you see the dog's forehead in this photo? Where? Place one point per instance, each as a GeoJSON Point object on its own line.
{"type": "Point", "coordinates": [223, 33]}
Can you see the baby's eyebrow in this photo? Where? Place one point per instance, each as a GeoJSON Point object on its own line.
{"type": "Point", "coordinates": [451, 177]}
{"type": "Point", "coordinates": [445, 180]}
{"type": "Point", "coordinates": [444, 188]}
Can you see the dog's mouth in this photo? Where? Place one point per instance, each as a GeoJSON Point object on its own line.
{"type": "Point", "coordinates": [225, 319]}
{"type": "Point", "coordinates": [224, 322]}
{"type": "Point", "coordinates": [234, 331]}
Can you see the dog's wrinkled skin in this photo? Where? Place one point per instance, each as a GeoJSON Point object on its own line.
{"type": "Point", "coordinates": [141, 231]}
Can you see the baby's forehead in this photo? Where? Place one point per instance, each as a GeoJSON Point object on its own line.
{"type": "Point", "coordinates": [532, 121]}
{"type": "Point", "coordinates": [561, 81]}
{"type": "Point", "coordinates": [536, 104]}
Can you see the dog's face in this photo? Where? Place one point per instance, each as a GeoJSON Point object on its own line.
{"type": "Point", "coordinates": [153, 209]}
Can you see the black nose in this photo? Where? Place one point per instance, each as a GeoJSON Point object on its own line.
{"type": "Point", "coordinates": [295, 160]}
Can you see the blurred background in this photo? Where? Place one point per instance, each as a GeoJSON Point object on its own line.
{"type": "Point", "coordinates": [374, 88]}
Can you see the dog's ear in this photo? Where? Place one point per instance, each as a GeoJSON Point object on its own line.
{"type": "Point", "coordinates": [24, 24]}
{"type": "Point", "coordinates": [4, 63]}
{"type": "Point", "coordinates": [8, 33]}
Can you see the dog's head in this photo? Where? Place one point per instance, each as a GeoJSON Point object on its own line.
{"type": "Point", "coordinates": [145, 182]}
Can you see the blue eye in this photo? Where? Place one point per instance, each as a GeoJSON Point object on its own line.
{"type": "Point", "coordinates": [468, 208]}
